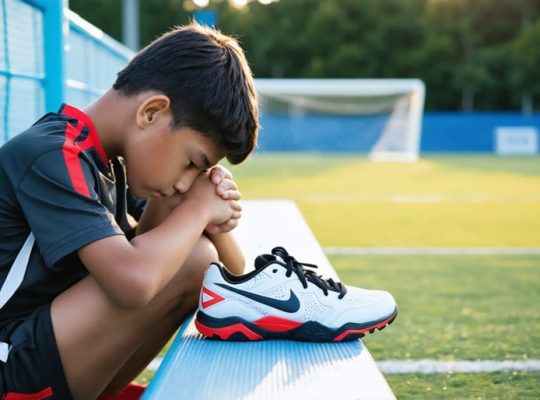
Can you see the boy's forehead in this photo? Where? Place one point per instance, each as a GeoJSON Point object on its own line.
{"type": "Point", "coordinates": [205, 147]}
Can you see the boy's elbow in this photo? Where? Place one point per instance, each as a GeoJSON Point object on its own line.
{"type": "Point", "coordinates": [137, 292]}
{"type": "Point", "coordinates": [135, 300]}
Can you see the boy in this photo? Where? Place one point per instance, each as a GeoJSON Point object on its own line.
{"type": "Point", "coordinates": [102, 294]}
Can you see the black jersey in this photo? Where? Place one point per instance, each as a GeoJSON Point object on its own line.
{"type": "Point", "coordinates": [56, 182]}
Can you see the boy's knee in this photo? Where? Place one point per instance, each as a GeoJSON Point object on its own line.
{"type": "Point", "coordinates": [186, 285]}
{"type": "Point", "coordinates": [203, 254]}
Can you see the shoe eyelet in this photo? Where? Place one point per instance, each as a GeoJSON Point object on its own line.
{"type": "Point", "coordinates": [274, 271]}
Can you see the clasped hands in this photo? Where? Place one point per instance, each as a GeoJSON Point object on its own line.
{"type": "Point", "coordinates": [227, 189]}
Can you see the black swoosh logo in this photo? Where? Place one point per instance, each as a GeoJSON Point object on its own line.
{"type": "Point", "coordinates": [291, 305]}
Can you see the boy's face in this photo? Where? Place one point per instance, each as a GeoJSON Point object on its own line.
{"type": "Point", "coordinates": [161, 160]}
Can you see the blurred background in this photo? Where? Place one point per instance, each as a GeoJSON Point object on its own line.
{"type": "Point", "coordinates": [452, 87]}
{"type": "Point", "coordinates": [472, 55]}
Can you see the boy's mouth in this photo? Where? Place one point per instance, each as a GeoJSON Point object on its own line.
{"type": "Point", "coordinates": [158, 195]}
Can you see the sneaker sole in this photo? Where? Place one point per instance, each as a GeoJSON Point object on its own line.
{"type": "Point", "coordinates": [237, 329]}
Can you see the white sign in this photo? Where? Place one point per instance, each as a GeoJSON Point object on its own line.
{"type": "Point", "coordinates": [516, 140]}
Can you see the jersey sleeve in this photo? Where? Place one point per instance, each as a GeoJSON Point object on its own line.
{"type": "Point", "coordinates": [62, 207]}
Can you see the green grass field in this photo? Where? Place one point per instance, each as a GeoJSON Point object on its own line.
{"type": "Point", "coordinates": [439, 201]}
{"type": "Point", "coordinates": [454, 307]}
{"type": "Point", "coordinates": [451, 307]}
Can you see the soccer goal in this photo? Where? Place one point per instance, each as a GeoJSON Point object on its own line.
{"type": "Point", "coordinates": [378, 117]}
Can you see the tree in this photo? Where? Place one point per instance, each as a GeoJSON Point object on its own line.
{"type": "Point", "coordinates": [527, 65]}
{"type": "Point", "coordinates": [472, 54]}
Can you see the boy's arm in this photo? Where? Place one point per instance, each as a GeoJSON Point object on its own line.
{"type": "Point", "coordinates": [132, 273]}
{"type": "Point", "coordinates": [157, 210]}
{"type": "Point", "coordinates": [229, 252]}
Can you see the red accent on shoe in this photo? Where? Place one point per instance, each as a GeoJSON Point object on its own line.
{"type": "Point", "coordinates": [132, 391]}
{"type": "Point", "coordinates": [343, 335]}
{"type": "Point", "coordinates": [215, 298]}
{"type": "Point", "coordinates": [226, 332]}
{"type": "Point", "coordinates": [277, 324]}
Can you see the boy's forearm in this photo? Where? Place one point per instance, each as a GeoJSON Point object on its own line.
{"type": "Point", "coordinates": [155, 212]}
{"type": "Point", "coordinates": [133, 273]}
{"type": "Point", "coordinates": [229, 252]}
{"type": "Point", "coordinates": [169, 243]}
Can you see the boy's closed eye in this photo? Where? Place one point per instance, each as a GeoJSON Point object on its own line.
{"type": "Point", "coordinates": [193, 165]}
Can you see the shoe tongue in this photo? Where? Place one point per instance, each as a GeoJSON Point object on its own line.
{"type": "Point", "coordinates": [264, 259]}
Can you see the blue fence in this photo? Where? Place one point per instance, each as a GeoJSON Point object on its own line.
{"type": "Point", "coordinates": [22, 68]}
{"type": "Point", "coordinates": [441, 132]}
{"type": "Point", "coordinates": [468, 132]}
{"type": "Point", "coordinates": [42, 64]}
{"type": "Point", "coordinates": [282, 132]}
{"type": "Point", "coordinates": [92, 60]}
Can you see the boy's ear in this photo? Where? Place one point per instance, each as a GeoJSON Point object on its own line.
{"type": "Point", "coordinates": [153, 107]}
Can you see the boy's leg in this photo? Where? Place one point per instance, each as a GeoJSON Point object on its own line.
{"type": "Point", "coordinates": [160, 334]}
{"type": "Point", "coordinates": [102, 345]}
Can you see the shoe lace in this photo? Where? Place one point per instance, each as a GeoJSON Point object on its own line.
{"type": "Point", "coordinates": [297, 267]}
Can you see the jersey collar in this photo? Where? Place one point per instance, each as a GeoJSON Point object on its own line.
{"type": "Point", "coordinates": [93, 137]}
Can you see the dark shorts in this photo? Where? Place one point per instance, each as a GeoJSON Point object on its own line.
{"type": "Point", "coordinates": [33, 369]}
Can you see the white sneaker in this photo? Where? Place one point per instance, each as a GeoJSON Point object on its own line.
{"type": "Point", "coordinates": [282, 300]}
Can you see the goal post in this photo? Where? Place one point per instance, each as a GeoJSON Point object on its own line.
{"type": "Point", "coordinates": [379, 117]}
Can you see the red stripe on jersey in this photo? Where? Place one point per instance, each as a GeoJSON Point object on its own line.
{"type": "Point", "coordinates": [42, 394]}
{"type": "Point", "coordinates": [92, 140]}
{"type": "Point", "coordinates": [71, 155]}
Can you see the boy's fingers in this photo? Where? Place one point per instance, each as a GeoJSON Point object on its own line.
{"type": "Point", "coordinates": [232, 195]}
{"type": "Point", "coordinates": [236, 215]}
{"type": "Point", "coordinates": [222, 228]}
{"type": "Point", "coordinates": [213, 229]}
{"type": "Point", "coordinates": [225, 185]}
{"type": "Point", "coordinates": [219, 173]}
{"type": "Point", "coordinates": [236, 206]}
{"type": "Point", "coordinates": [226, 173]}
{"type": "Point", "coordinates": [216, 175]}
{"type": "Point", "coordinates": [229, 225]}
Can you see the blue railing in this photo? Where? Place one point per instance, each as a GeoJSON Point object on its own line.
{"type": "Point", "coordinates": [441, 131]}
{"type": "Point", "coordinates": [92, 60]}
{"type": "Point", "coordinates": [22, 69]}
{"type": "Point", "coordinates": [43, 65]}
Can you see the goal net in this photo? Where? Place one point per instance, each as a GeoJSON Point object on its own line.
{"type": "Point", "coordinates": [378, 117]}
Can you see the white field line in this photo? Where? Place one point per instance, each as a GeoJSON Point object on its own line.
{"type": "Point", "coordinates": [436, 367]}
{"type": "Point", "coordinates": [420, 198]}
{"type": "Point", "coordinates": [458, 366]}
{"type": "Point", "coordinates": [155, 363]}
{"type": "Point", "coordinates": [433, 251]}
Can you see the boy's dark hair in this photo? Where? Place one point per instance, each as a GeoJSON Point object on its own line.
{"type": "Point", "coordinates": [208, 80]}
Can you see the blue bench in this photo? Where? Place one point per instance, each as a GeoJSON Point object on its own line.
{"type": "Point", "coordinates": [195, 368]}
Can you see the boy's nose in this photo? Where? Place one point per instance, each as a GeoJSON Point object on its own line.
{"type": "Point", "coordinates": [183, 184]}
